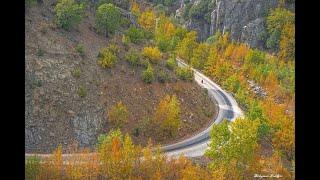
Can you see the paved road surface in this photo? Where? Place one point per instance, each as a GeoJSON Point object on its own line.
{"type": "Point", "coordinates": [227, 109]}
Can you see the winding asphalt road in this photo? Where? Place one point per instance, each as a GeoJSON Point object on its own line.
{"type": "Point", "coordinates": [227, 109]}
{"type": "Point", "coordinates": [197, 144]}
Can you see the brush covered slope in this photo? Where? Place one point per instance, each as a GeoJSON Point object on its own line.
{"type": "Point", "coordinates": [69, 95]}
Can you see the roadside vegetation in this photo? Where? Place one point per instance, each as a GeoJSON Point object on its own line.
{"type": "Point", "coordinates": [117, 158]}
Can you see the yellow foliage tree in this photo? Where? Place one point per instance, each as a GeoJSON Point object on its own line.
{"type": "Point", "coordinates": [229, 51]}
{"type": "Point", "coordinates": [165, 34]}
{"type": "Point", "coordinates": [88, 168]}
{"type": "Point", "coordinates": [169, 29]}
{"type": "Point", "coordinates": [107, 57]}
{"type": "Point", "coordinates": [118, 114]}
{"type": "Point", "coordinates": [135, 8]}
{"type": "Point", "coordinates": [223, 42]}
{"type": "Point", "coordinates": [283, 127]}
{"type": "Point", "coordinates": [269, 165]}
{"type": "Point", "coordinates": [118, 157]}
{"type": "Point", "coordinates": [168, 115]}
{"type": "Point", "coordinates": [52, 167]}
{"type": "Point", "coordinates": [152, 53]}
{"type": "Point", "coordinates": [147, 20]}
{"type": "Point", "coordinates": [192, 172]}
{"type": "Point", "coordinates": [287, 43]}
{"type": "Point", "coordinates": [200, 56]}
{"type": "Point", "coordinates": [187, 45]}
{"type": "Point", "coordinates": [239, 54]}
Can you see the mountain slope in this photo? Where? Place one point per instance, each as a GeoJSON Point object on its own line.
{"type": "Point", "coordinates": [55, 72]}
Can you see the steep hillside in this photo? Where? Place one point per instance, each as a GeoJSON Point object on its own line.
{"type": "Point", "coordinates": [57, 76]}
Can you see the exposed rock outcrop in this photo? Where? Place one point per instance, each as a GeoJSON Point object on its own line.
{"type": "Point", "coordinates": [202, 27]}
{"type": "Point", "coordinates": [234, 15]}
{"type": "Point", "coordinates": [254, 33]}
{"type": "Point", "coordinates": [258, 90]}
{"type": "Point", "coordinates": [244, 19]}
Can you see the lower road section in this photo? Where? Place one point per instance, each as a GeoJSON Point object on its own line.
{"type": "Point", "coordinates": [227, 109]}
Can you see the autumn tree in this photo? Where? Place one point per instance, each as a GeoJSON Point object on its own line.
{"type": "Point", "coordinates": [152, 53]}
{"type": "Point", "coordinates": [219, 69]}
{"type": "Point", "coordinates": [108, 18]}
{"type": "Point", "coordinates": [165, 34]}
{"type": "Point", "coordinates": [271, 83]}
{"type": "Point", "coordinates": [147, 20]}
{"type": "Point", "coordinates": [88, 168]}
{"type": "Point", "coordinates": [282, 126]}
{"type": "Point", "coordinates": [168, 115]}
{"type": "Point", "coordinates": [118, 155]}
{"type": "Point", "coordinates": [212, 59]}
{"type": "Point", "coordinates": [199, 56]}
{"type": "Point", "coordinates": [186, 47]}
{"type": "Point", "coordinates": [232, 145]}
{"type": "Point", "coordinates": [269, 165]}
{"type": "Point", "coordinates": [180, 33]}
{"type": "Point", "coordinates": [278, 18]}
{"type": "Point", "coordinates": [287, 43]}
{"type": "Point", "coordinates": [107, 57]}
{"type": "Point", "coordinates": [239, 54]}
{"type": "Point", "coordinates": [135, 8]}
{"type": "Point", "coordinates": [118, 114]}
{"type": "Point", "coordinates": [104, 139]}
{"type": "Point", "coordinates": [49, 168]}
{"type": "Point", "coordinates": [57, 163]}
{"type": "Point", "coordinates": [152, 161]}
{"type": "Point", "coordinates": [185, 73]}
{"type": "Point", "coordinates": [276, 21]}
{"type": "Point", "coordinates": [222, 41]}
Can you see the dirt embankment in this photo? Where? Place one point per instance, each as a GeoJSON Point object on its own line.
{"type": "Point", "coordinates": [55, 114]}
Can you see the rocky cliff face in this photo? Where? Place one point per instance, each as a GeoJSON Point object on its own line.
{"type": "Point", "coordinates": [244, 19]}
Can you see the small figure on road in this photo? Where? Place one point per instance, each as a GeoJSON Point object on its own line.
{"type": "Point", "coordinates": [202, 81]}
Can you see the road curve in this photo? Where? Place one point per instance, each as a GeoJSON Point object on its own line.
{"type": "Point", "coordinates": [227, 109]}
{"type": "Point", "coordinates": [197, 144]}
